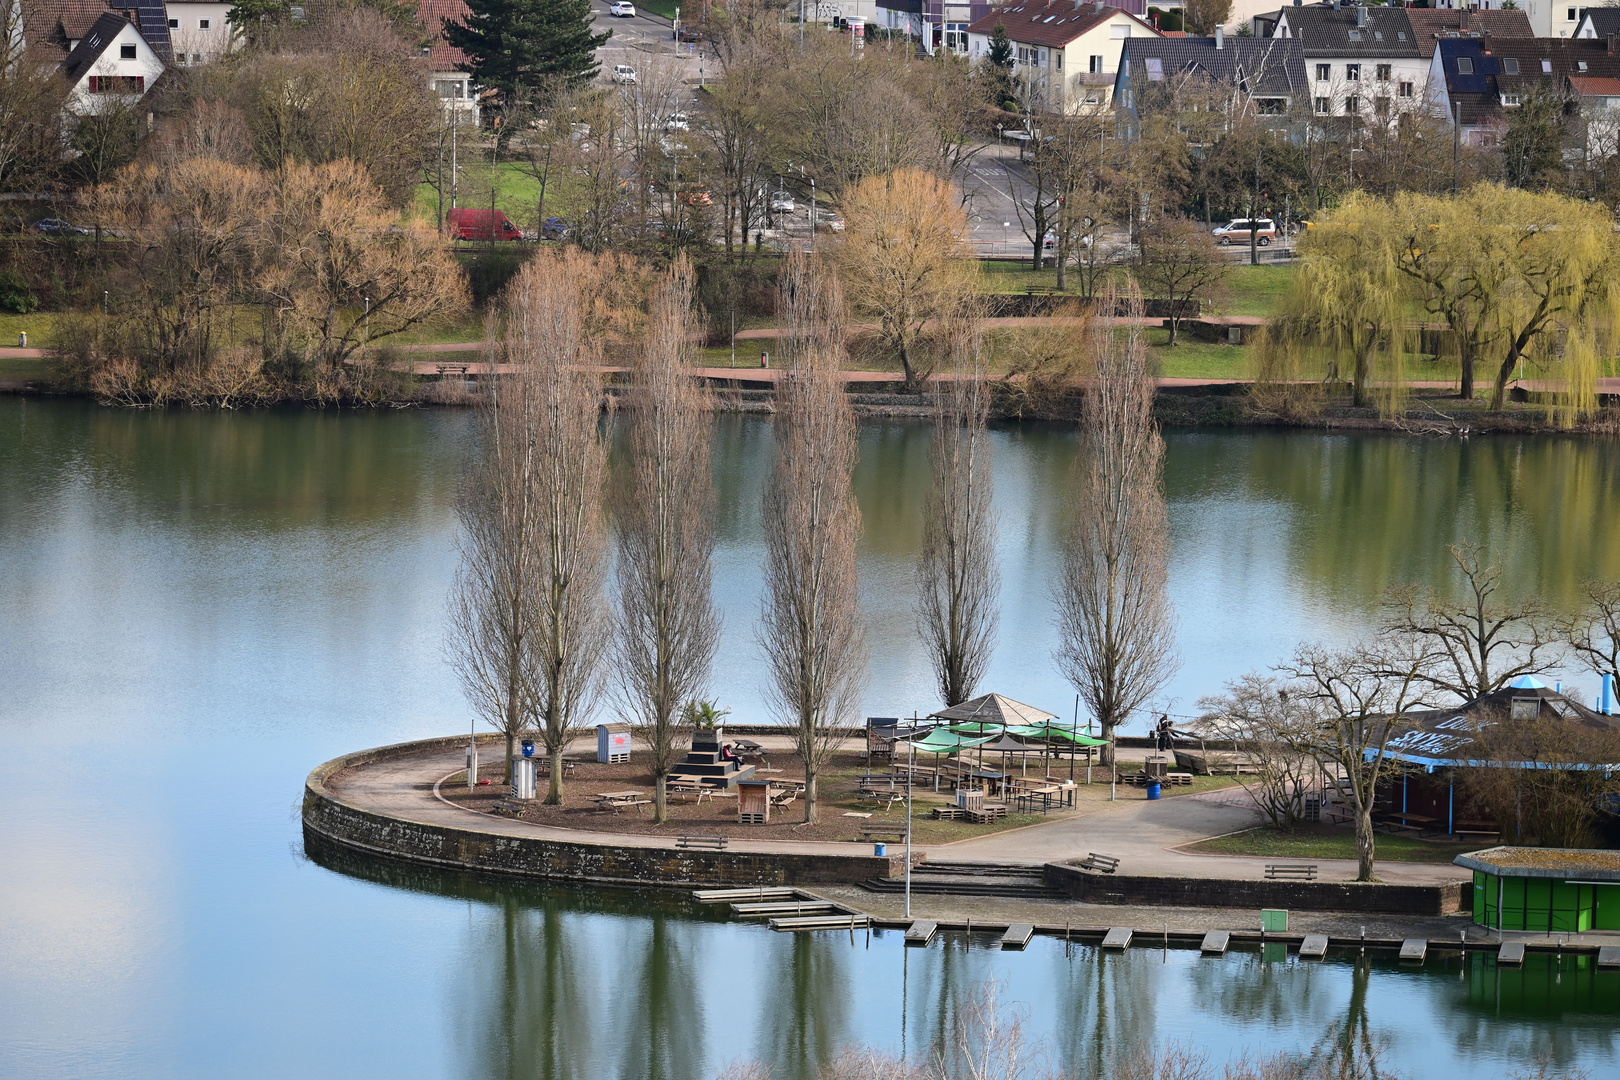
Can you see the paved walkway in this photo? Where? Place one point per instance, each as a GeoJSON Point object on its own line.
{"type": "Point", "coordinates": [1142, 834]}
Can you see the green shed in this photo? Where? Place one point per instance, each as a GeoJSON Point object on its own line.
{"type": "Point", "coordinates": [1549, 890]}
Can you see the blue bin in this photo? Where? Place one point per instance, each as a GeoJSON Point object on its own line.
{"type": "Point", "coordinates": [1155, 789]}
{"type": "Point", "coordinates": [880, 850]}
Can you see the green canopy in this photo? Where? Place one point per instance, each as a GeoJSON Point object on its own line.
{"type": "Point", "coordinates": [1048, 731]}
{"type": "Point", "coordinates": [944, 741]}
{"type": "Point", "coordinates": [1023, 731]}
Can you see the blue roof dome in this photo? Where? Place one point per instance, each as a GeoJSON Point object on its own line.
{"type": "Point", "coordinates": [1527, 682]}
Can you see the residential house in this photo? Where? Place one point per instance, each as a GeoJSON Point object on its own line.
{"type": "Point", "coordinates": [1270, 72]}
{"type": "Point", "coordinates": [1479, 86]}
{"type": "Point", "coordinates": [1432, 25]}
{"type": "Point", "coordinates": [1067, 51]}
{"type": "Point", "coordinates": [453, 85]}
{"type": "Point", "coordinates": [111, 63]}
{"type": "Point", "coordinates": [936, 23]}
{"type": "Point", "coordinates": [200, 32]}
{"type": "Point", "coordinates": [1598, 22]}
{"type": "Point", "coordinates": [1362, 61]}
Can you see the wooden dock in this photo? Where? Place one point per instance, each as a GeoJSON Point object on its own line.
{"type": "Point", "coordinates": [922, 932]}
{"type": "Point", "coordinates": [1215, 942]}
{"type": "Point", "coordinates": [1314, 947]}
{"type": "Point", "coordinates": [1414, 949]}
{"type": "Point", "coordinates": [1117, 938]}
{"type": "Point", "coordinates": [760, 892]}
{"type": "Point", "coordinates": [1512, 952]}
{"type": "Point", "coordinates": [1017, 936]}
{"type": "Point", "coordinates": [829, 921]}
{"type": "Point", "coordinates": [783, 907]}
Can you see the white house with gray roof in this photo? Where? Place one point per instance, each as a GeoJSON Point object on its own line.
{"type": "Point", "coordinates": [1362, 61]}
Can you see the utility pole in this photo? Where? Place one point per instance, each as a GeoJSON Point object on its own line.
{"type": "Point", "coordinates": [910, 780]}
{"type": "Point", "coordinates": [455, 126]}
{"type": "Point", "coordinates": [1456, 148]}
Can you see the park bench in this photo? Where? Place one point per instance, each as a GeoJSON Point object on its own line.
{"type": "Point", "coordinates": [508, 806]}
{"type": "Point", "coordinates": [1105, 864]}
{"type": "Point", "coordinates": [452, 369]}
{"type": "Point", "coordinates": [717, 843]}
{"type": "Point", "coordinates": [1301, 871]}
{"type": "Point", "coordinates": [883, 832]}
{"type": "Point", "coordinates": [1043, 290]}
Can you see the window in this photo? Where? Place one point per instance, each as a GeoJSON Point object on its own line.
{"type": "Point", "coordinates": [1546, 67]}
{"type": "Point", "coordinates": [1381, 107]}
{"type": "Point", "coordinates": [448, 88]}
{"type": "Point", "coordinates": [126, 52]}
{"type": "Point", "coordinates": [1510, 65]}
{"type": "Point", "coordinates": [1155, 68]}
{"type": "Point", "coordinates": [117, 84]}
{"type": "Point", "coordinates": [1581, 64]}
{"type": "Point", "coordinates": [1512, 99]}
{"type": "Point", "coordinates": [1383, 72]}
{"type": "Point", "coordinates": [1352, 105]}
{"type": "Point", "coordinates": [1058, 57]}
{"type": "Point", "coordinates": [196, 58]}
{"type": "Point", "coordinates": [1378, 35]}
{"type": "Point", "coordinates": [1355, 35]}
{"type": "Point", "coordinates": [1324, 106]}
{"type": "Point", "coordinates": [174, 24]}
{"type": "Point", "coordinates": [1272, 106]}
{"type": "Point", "coordinates": [1095, 65]}
{"type": "Point", "coordinates": [1465, 65]}
{"type": "Point", "coordinates": [1406, 89]}
{"type": "Point", "coordinates": [1324, 72]}
{"type": "Point", "coordinates": [1352, 72]}
{"type": "Point", "coordinates": [1401, 34]}
{"type": "Point", "coordinates": [956, 37]}
{"type": "Point", "coordinates": [1570, 14]}
{"type": "Point", "coordinates": [202, 24]}
{"type": "Point", "coordinates": [1120, 31]}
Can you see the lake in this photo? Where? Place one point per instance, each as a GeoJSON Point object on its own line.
{"type": "Point", "coordinates": [198, 607]}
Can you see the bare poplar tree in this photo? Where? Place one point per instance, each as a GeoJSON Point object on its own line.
{"type": "Point", "coordinates": [810, 628]}
{"type": "Point", "coordinates": [492, 610]}
{"type": "Point", "coordinates": [545, 339]}
{"type": "Point", "coordinates": [668, 628]}
{"type": "Point", "coordinates": [957, 580]}
{"type": "Point", "coordinates": [1116, 624]}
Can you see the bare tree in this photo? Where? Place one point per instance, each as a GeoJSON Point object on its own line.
{"type": "Point", "coordinates": [1116, 624]}
{"type": "Point", "coordinates": [1482, 641]}
{"type": "Point", "coordinates": [1278, 732]}
{"type": "Point", "coordinates": [1594, 634]}
{"type": "Point", "coordinates": [1363, 696]}
{"type": "Point", "coordinates": [545, 338]}
{"type": "Point", "coordinates": [810, 628]}
{"type": "Point", "coordinates": [1180, 264]}
{"type": "Point", "coordinates": [668, 628]}
{"type": "Point", "coordinates": [957, 580]}
{"type": "Point", "coordinates": [493, 614]}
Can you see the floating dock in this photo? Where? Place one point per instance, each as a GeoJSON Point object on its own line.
{"type": "Point", "coordinates": [1511, 952]}
{"type": "Point", "coordinates": [1215, 942]}
{"type": "Point", "coordinates": [1314, 947]}
{"type": "Point", "coordinates": [1608, 956]}
{"type": "Point", "coordinates": [830, 921]}
{"type": "Point", "coordinates": [1117, 938]}
{"type": "Point", "coordinates": [760, 892]}
{"type": "Point", "coordinates": [922, 932]}
{"type": "Point", "coordinates": [1017, 936]}
{"type": "Point", "coordinates": [1414, 949]}
{"type": "Point", "coordinates": [783, 907]}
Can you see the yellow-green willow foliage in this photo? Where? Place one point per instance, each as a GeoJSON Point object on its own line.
{"type": "Point", "coordinates": [1515, 276]}
{"type": "Point", "coordinates": [1348, 303]}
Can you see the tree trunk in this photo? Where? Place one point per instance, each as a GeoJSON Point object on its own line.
{"type": "Point", "coordinates": [809, 795]}
{"type": "Point", "coordinates": [1466, 360]}
{"type": "Point", "coordinates": [905, 365]}
{"type": "Point", "coordinates": [1063, 263]}
{"type": "Point", "coordinates": [554, 791]}
{"type": "Point", "coordinates": [511, 752]}
{"type": "Point", "coordinates": [1106, 731]}
{"type": "Point", "coordinates": [1364, 844]}
{"type": "Point", "coordinates": [1499, 388]}
{"type": "Point", "coordinates": [660, 799]}
{"type": "Point", "coordinates": [1361, 387]}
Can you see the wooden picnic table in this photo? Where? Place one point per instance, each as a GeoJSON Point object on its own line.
{"type": "Point", "coordinates": [617, 800]}
{"type": "Point", "coordinates": [1421, 823]}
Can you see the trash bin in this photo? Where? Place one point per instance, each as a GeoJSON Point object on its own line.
{"type": "Point", "coordinates": [1155, 789]}
{"type": "Point", "coordinates": [880, 850]}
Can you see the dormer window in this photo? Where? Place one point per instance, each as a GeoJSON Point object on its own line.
{"type": "Point", "coordinates": [1355, 35]}
{"type": "Point", "coordinates": [1378, 35]}
{"type": "Point", "coordinates": [1401, 34]}
{"type": "Point", "coordinates": [1510, 65]}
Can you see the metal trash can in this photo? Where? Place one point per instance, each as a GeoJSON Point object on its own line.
{"type": "Point", "coordinates": [1155, 789]}
{"type": "Point", "coordinates": [523, 778]}
{"type": "Point", "coordinates": [880, 850]}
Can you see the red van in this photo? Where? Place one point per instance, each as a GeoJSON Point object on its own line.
{"type": "Point", "coordinates": [472, 224]}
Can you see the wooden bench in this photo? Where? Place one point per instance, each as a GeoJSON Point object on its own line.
{"type": "Point", "coordinates": [1105, 864]}
{"type": "Point", "coordinates": [883, 832]}
{"type": "Point", "coordinates": [717, 843]}
{"type": "Point", "coordinates": [1043, 290]}
{"type": "Point", "coordinates": [1301, 871]}
{"type": "Point", "coordinates": [510, 807]}
{"type": "Point", "coordinates": [452, 369]}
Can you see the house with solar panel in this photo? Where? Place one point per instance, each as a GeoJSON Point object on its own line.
{"type": "Point", "coordinates": [1479, 81]}
{"type": "Point", "coordinates": [1067, 52]}
{"type": "Point", "coordinates": [200, 32]}
{"type": "Point", "coordinates": [110, 52]}
{"type": "Point", "coordinates": [1364, 62]}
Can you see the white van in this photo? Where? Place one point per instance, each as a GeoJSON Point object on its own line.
{"type": "Point", "coordinates": [624, 74]}
{"type": "Point", "coordinates": [1239, 231]}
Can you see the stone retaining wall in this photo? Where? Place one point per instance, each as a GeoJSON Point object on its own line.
{"type": "Point", "coordinates": [331, 818]}
{"type": "Point", "coordinates": [1343, 896]}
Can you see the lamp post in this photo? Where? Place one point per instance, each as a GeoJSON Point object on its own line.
{"type": "Point", "coordinates": [910, 779]}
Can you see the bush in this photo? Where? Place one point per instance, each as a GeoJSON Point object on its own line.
{"type": "Point", "coordinates": [15, 296]}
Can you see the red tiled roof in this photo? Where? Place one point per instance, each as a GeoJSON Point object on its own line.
{"type": "Point", "coordinates": [74, 16]}
{"type": "Point", "coordinates": [1052, 23]}
{"type": "Point", "coordinates": [431, 14]}
{"type": "Point", "coordinates": [1594, 86]}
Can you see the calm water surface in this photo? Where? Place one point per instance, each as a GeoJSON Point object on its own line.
{"type": "Point", "coordinates": [195, 608]}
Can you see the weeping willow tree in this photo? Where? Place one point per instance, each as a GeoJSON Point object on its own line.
{"type": "Point", "coordinates": [1348, 303]}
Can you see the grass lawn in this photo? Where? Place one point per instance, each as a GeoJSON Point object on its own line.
{"type": "Point", "coordinates": [1329, 842]}
{"type": "Point", "coordinates": [517, 191]}
{"type": "Point", "coordinates": [40, 326]}
{"type": "Point", "coordinates": [26, 370]}
{"type": "Point", "coordinates": [1256, 290]}
{"type": "Point", "coordinates": [666, 8]}
{"type": "Point", "coordinates": [1196, 359]}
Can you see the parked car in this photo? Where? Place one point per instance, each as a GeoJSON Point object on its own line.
{"type": "Point", "coordinates": [829, 221]}
{"type": "Point", "coordinates": [467, 223]}
{"type": "Point", "coordinates": [699, 197]}
{"type": "Point", "coordinates": [624, 74]}
{"type": "Point", "coordinates": [677, 122]}
{"type": "Point", "coordinates": [1239, 231]}
{"type": "Point", "coordinates": [57, 227]}
{"type": "Point", "coordinates": [689, 33]}
{"type": "Point", "coordinates": [782, 203]}
{"type": "Point", "coordinates": [555, 228]}
{"type": "Point", "coordinates": [622, 9]}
